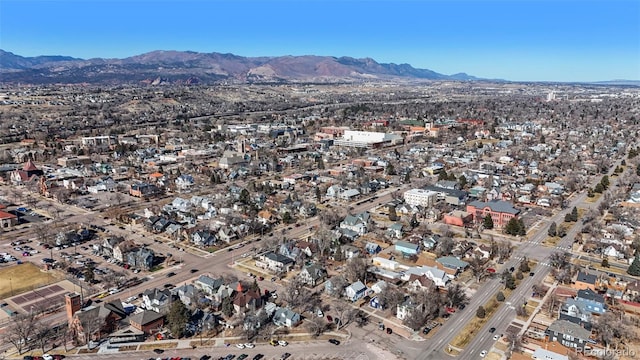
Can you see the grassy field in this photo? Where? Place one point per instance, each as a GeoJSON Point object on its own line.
{"type": "Point", "coordinates": [17, 279]}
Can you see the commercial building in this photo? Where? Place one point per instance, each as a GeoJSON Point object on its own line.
{"type": "Point", "coordinates": [420, 197]}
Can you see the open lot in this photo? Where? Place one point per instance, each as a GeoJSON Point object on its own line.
{"type": "Point", "coordinates": [16, 279]}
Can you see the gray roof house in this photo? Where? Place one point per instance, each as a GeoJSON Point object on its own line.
{"type": "Point", "coordinates": [569, 334]}
{"type": "Point", "coordinates": [355, 291]}
{"type": "Point", "coordinates": [286, 317]}
{"type": "Point", "coordinates": [313, 274]}
{"type": "Point", "coordinates": [208, 285]}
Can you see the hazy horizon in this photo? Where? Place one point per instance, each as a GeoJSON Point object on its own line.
{"type": "Point", "coordinates": [556, 41]}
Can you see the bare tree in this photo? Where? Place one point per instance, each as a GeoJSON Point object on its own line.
{"type": "Point", "coordinates": [416, 318]}
{"type": "Point", "coordinates": [445, 246]}
{"type": "Point", "coordinates": [43, 334]}
{"type": "Point", "coordinates": [612, 328]}
{"type": "Point", "coordinates": [391, 296]}
{"type": "Point", "coordinates": [514, 342]}
{"type": "Point", "coordinates": [295, 293]}
{"type": "Point", "coordinates": [316, 325]}
{"type": "Point", "coordinates": [21, 330]}
{"type": "Point", "coordinates": [344, 313]}
{"type": "Point", "coordinates": [356, 269]}
{"type": "Point", "coordinates": [478, 267]}
{"type": "Point", "coordinates": [456, 295]}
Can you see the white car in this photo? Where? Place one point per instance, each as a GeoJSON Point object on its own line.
{"type": "Point", "coordinates": [320, 313]}
{"type": "Point", "coordinates": [282, 343]}
{"type": "Point", "coordinates": [496, 337]}
{"type": "Point", "coordinates": [240, 346]}
{"type": "Point", "coordinates": [47, 357]}
{"type": "Point", "coordinates": [249, 345]}
{"type": "Point", "coordinates": [483, 353]}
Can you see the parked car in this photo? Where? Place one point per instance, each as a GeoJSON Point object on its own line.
{"type": "Point", "coordinates": [282, 343]}
{"type": "Point", "coordinates": [483, 353]}
{"type": "Point", "coordinates": [334, 341]}
{"type": "Point", "coordinates": [389, 331]}
{"type": "Point", "coordinates": [492, 330]}
{"type": "Point", "coordinates": [240, 346]}
{"type": "Point", "coordinates": [171, 274]}
{"type": "Point", "coordinates": [285, 356]}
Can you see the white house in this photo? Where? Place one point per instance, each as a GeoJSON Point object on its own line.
{"type": "Point", "coordinates": [355, 291]}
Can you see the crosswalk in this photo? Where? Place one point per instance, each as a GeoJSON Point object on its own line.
{"type": "Point", "coordinates": [520, 258]}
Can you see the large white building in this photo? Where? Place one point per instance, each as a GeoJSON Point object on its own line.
{"type": "Point", "coordinates": [367, 139]}
{"type": "Point", "coordinates": [420, 197]}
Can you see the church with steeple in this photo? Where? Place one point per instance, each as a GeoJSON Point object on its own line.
{"type": "Point", "coordinates": [28, 173]}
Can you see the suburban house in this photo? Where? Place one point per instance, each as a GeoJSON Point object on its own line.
{"type": "Point", "coordinates": [313, 275]}
{"type": "Point", "coordinates": [405, 308]}
{"type": "Point", "coordinates": [157, 300]}
{"type": "Point", "coordinates": [407, 248]}
{"type": "Point", "coordinates": [585, 281]}
{"type": "Point", "coordinates": [286, 317]}
{"type": "Point", "coordinates": [203, 238]}
{"type": "Point", "coordinates": [185, 182]}
{"type": "Point", "coordinates": [120, 250]}
{"type": "Point", "coordinates": [372, 248]}
{"type": "Point", "coordinates": [420, 282]}
{"type": "Point", "coordinates": [500, 211]}
{"type": "Point", "coordinates": [274, 262]}
{"type": "Point", "coordinates": [591, 301]}
{"type": "Point", "coordinates": [395, 230]}
{"type": "Point", "coordinates": [188, 294]}
{"type": "Point", "coordinates": [358, 223]}
{"type": "Point", "coordinates": [208, 285]}
{"type": "Point", "coordinates": [451, 264]}
{"type": "Point", "coordinates": [147, 321]}
{"type": "Point", "coordinates": [439, 277]}
{"type": "Point", "coordinates": [569, 334]}
{"type": "Point", "coordinates": [355, 291]}
{"type": "Point", "coordinates": [576, 312]}
{"type": "Point", "coordinates": [141, 258]}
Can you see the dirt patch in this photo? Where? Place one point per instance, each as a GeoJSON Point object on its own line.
{"type": "Point", "coordinates": [167, 345]}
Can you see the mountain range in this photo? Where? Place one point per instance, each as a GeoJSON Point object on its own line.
{"type": "Point", "coordinates": [189, 67]}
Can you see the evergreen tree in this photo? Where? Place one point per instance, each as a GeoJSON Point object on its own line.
{"type": "Point", "coordinates": [510, 283]}
{"type": "Point", "coordinates": [407, 177]}
{"type": "Point", "coordinates": [390, 170]}
{"type": "Point", "coordinates": [522, 230]}
{"type": "Point", "coordinates": [605, 181]}
{"type": "Point", "coordinates": [462, 180]}
{"type": "Point", "coordinates": [634, 268]}
{"type": "Point", "coordinates": [599, 188]}
{"type": "Point", "coordinates": [574, 214]}
{"type": "Point", "coordinates": [481, 313]}
{"type": "Point", "coordinates": [178, 318]}
{"type": "Point", "coordinates": [227, 307]}
{"type": "Point", "coordinates": [443, 175]}
{"type": "Point", "coordinates": [487, 222]}
{"type": "Point", "coordinates": [500, 296]}
{"type": "Point", "coordinates": [605, 263]}
{"type": "Point", "coordinates": [552, 229]}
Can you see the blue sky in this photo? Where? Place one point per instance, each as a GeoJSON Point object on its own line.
{"type": "Point", "coordinates": [544, 40]}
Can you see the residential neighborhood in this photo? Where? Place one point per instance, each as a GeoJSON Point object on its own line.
{"type": "Point", "coordinates": [444, 229]}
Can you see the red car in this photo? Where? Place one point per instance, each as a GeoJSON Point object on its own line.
{"type": "Point", "coordinates": [329, 318]}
